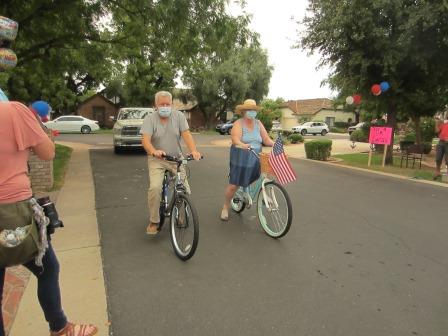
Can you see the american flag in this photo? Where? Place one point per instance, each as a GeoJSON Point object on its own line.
{"type": "Point", "coordinates": [279, 163]}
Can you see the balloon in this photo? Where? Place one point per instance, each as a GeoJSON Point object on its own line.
{"type": "Point", "coordinates": [357, 99]}
{"type": "Point", "coordinates": [376, 89]}
{"type": "Point", "coordinates": [44, 119]}
{"type": "Point", "coordinates": [55, 133]}
{"type": "Point", "coordinates": [42, 108]}
{"type": "Point", "coordinates": [8, 29]}
{"type": "Point", "coordinates": [349, 100]}
{"type": "Point", "coordinates": [384, 86]}
{"type": "Point", "coordinates": [8, 59]}
{"type": "Point", "coordinates": [3, 97]}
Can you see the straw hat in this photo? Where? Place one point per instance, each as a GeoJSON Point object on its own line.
{"type": "Point", "coordinates": [249, 104]}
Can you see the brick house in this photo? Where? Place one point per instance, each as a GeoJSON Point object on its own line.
{"type": "Point", "coordinates": [98, 107]}
{"type": "Point", "coordinates": [320, 109]}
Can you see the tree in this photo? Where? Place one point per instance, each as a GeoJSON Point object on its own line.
{"type": "Point", "coordinates": [270, 111]}
{"type": "Point", "coordinates": [58, 48]}
{"type": "Point", "coordinates": [400, 41]}
{"type": "Point", "coordinates": [220, 86]}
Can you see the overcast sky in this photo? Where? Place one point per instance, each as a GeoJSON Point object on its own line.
{"type": "Point", "coordinates": [295, 75]}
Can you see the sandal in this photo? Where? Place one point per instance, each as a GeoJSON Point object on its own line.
{"type": "Point", "coordinates": [150, 229]}
{"type": "Point", "coordinates": [224, 215]}
{"type": "Point", "coordinates": [76, 330]}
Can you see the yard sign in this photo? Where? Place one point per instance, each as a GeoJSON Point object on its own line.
{"type": "Point", "coordinates": [380, 136]}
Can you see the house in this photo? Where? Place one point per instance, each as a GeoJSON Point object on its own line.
{"type": "Point", "coordinates": [98, 107]}
{"type": "Point", "coordinates": [320, 109]}
{"type": "Point", "coordinates": [192, 112]}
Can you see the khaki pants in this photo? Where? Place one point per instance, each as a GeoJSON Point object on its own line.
{"type": "Point", "coordinates": [157, 170]}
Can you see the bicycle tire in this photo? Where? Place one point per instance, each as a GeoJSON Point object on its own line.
{"type": "Point", "coordinates": [190, 220]}
{"type": "Point", "coordinates": [263, 221]}
{"type": "Point", "coordinates": [237, 202]}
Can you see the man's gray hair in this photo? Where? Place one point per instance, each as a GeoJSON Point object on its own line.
{"type": "Point", "coordinates": [162, 94]}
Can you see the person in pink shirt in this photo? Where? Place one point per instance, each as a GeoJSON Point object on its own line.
{"type": "Point", "coordinates": [442, 146]}
{"type": "Point", "coordinates": [20, 133]}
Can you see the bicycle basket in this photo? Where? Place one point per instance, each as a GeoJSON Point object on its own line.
{"type": "Point", "coordinates": [265, 165]}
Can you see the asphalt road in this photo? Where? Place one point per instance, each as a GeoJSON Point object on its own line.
{"type": "Point", "coordinates": [366, 255]}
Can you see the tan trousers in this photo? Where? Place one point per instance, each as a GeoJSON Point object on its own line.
{"type": "Point", "coordinates": [157, 170]}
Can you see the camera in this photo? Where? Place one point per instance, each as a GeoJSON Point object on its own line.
{"type": "Point", "coordinates": [51, 213]}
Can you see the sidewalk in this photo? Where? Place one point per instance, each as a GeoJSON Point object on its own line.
{"type": "Point", "coordinates": [78, 249]}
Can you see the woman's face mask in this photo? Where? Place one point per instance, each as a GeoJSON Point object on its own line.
{"type": "Point", "coordinates": [164, 111]}
{"type": "Point", "coordinates": [251, 114]}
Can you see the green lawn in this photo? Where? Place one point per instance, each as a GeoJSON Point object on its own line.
{"type": "Point", "coordinates": [104, 131]}
{"type": "Point", "coordinates": [360, 160]}
{"type": "Point", "coordinates": [60, 163]}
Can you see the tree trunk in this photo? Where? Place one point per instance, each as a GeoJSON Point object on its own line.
{"type": "Point", "coordinates": [391, 122]}
{"type": "Point", "coordinates": [418, 131]}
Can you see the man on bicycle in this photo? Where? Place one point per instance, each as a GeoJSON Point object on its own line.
{"type": "Point", "coordinates": [162, 132]}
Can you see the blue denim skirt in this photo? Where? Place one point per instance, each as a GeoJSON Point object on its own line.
{"type": "Point", "coordinates": [244, 167]}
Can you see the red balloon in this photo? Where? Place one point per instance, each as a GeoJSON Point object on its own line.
{"type": "Point", "coordinates": [55, 133]}
{"type": "Point", "coordinates": [376, 89]}
{"type": "Point", "coordinates": [44, 119]}
{"type": "Point", "coordinates": [357, 99]}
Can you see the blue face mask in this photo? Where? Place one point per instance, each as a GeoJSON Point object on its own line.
{"type": "Point", "coordinates": [251, 114]}
{"type": "Point", "coordinates": [164, 111]}
{"type": "Point", "coordinates": [3, 96]}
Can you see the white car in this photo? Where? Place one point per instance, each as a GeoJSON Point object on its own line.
{"type": "Point", "coordinates": [127, 127]}
{"type": "Point", "coordinates": [72, 123]}
{"type": "Point", "coordinates": [311, 128]}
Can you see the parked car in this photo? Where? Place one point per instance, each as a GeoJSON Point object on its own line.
{"type": "Point", "coordinates": [311, 128]}
{"type": "Point", "coordinates": [358, 126]}
{"type": "Point", "coordinates": [72, 123]}
{"type": "Point", "coordinates": [225, 128]}
{"type": "Point", "coordinates": [126, 131]}
{"type": "Point", "coordinates": [276, 126]}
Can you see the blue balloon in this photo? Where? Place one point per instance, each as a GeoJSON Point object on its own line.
{"type": "Point", "coordinates": [3, 97]}
{"type": "Point", "coordinates": [384, 86]}
{"type": "Point", "coordinates": [42, 108]}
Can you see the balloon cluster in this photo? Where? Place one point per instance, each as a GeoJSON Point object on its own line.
{"type": "Point", "coordinates": [378, 89]}
{"type": "Point", "coordinates": [8, 33]}
{"type": "Point", "coordinates": [355, 99]}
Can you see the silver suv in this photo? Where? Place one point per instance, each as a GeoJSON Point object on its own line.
{"type": "Point", "coordinates": [127, 127]}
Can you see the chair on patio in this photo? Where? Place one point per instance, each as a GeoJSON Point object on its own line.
{"type": "Point", "coordinates": [412, 153]}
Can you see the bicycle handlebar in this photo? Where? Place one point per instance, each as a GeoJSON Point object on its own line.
{"type": "Point", "coordinates": [177, 160]}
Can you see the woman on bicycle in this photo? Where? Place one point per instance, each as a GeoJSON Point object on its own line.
{"type": "Point", "coordinates": [247, 132]}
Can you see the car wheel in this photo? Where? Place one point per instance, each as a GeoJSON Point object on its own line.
{"type": "Point", "coordinates": [323, 133]}
{"type": "Point", "coordinates": [118, 150]}
{"type": "Point", "coordinates": [222, 133]}
{"type": "Point", "coordinates": [228, 131]}
{"type": "Point", "coordinates": [85, 129]}
{"type": "Point", "coordinates": [350, 132]}
{"type": "Point", "coordinates": [303, 132]}
{"type": "Point", "coordinates": [314, 134]}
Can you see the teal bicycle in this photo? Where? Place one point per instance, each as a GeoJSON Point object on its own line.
{"type": "Point", "coordinates": [274, 207]}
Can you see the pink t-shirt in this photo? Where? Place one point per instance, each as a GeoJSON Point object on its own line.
{"type": "Point", "coordinates": [19, 130]}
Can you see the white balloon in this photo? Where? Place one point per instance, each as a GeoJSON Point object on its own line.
{"type": "Point", "coordinates": [349, 100]}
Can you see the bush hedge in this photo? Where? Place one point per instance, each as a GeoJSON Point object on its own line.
{"type": "Point", "coordinates": [341, 124]}
{"type": "Point", "coordinates": [295, 138]}
{"type": "Point", "coordinates": [359, 136]}
{"type": "Point", "coordinates": [318, 149]}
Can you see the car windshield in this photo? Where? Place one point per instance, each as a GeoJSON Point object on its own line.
{"type": "Point", "coordinates": [133, 114]}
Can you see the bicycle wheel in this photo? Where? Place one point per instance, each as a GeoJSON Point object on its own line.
{"type": "Point", "coordinates": [237, 202]}
{"type": "Point", "coordinates": [274, 212]}
{"type": "Point", "coordinates": [184, 230]}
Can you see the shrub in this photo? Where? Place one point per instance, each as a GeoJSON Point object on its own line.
{"type": "Point", "coordinates": [359, 136]}
{"type": "Point", "coordinates": [405, 144]}
{"type": "Point", "coordinates": [286, 134]}
{"type": "Point", "coordinates": [295, 138]}
{"type": "Point", "coordinates": [318, 149]}
{"type": "Point", "coordinates": [337, 130]}
{"type": "Point", "coordinates": [427, 147]}
{"type": "Point", "coordinates": [410, 137]}
{"type": "Point", "coordinates": [341, 124]}
{"type": "Point", "coordinates": [427, 127]}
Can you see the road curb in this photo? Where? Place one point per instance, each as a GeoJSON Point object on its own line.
{"type": "Point", "coordinates": [336, 164]}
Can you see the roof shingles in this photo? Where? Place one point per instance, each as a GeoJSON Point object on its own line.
{"type": "Point", "coordinates": [308, 106]}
